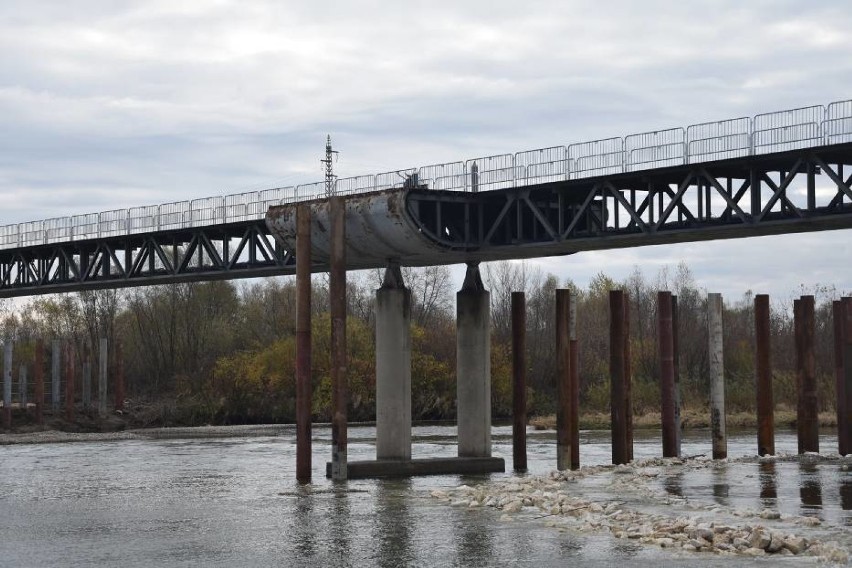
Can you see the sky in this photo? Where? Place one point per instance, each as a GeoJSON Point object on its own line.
{"type": "Point", "coordinates": [107, 104]}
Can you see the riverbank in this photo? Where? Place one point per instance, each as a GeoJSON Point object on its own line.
{"type": "Point", "coordinates": [690, 418]}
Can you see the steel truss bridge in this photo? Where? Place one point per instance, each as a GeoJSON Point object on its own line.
{"type": "Point", "coordinates": [779, 172]}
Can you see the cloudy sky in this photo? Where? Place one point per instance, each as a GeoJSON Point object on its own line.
{"type": "Point", "coordinates": [106, 104]}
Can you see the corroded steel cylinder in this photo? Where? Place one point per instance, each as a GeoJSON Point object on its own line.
{"type": "Point", "coordinates": [303, 344]}
{"type": "Point", "coordinates": [337, 293]}
{"type": "Point", "coordinates": [763, 369]}
{"type": "Point", "coordinates": [617, 370]}
{"type": "Point", "coordinates": [665, 343]}
{"type": "Point", "coordinates": [39, 381]}
{"type": "Point", "coordinates": [717, 377]}
{"type": "Point", "coordinates": [807, 417]}
{"type": "Point", "coordinates": [519, 382]}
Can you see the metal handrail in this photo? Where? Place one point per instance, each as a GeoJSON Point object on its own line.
{"type": "Point", "coordinates": [704, 142]}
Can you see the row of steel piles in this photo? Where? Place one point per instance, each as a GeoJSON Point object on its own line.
{"type": "Point", "coordinates": [63, 364]}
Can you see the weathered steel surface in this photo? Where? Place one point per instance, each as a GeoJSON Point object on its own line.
{"type": "Point", "coordinates": [519, 382]}
{"type": "Point", "coordinates": [617, 373]}
{"type": "Point", "coordinates": [807, 419]}
{"type": "Point", "coordinates": [838, 316]}
{"type": "Point", "coordinates": [303, 345]}
{"type": "Point", "coordinates": [763, 369]}
{"type": "Point", "coordinates": [628, 384]}
{"type": "Point", "coordinates": [337, 294]}
{"type": "Point", "coordinates": [574, 387]}
{"type": "Point", "coordinates": [563, 379]}
{"type": "Point", "coordinates": [717, 377]}
{"type": "Point", "coordinates": [847, 370]}
{"type": "Point", "coordinates": [665, 342]}
{"type": "Point", "coordinates": [676, 358]}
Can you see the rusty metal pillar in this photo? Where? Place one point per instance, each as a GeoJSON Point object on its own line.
{"type": "Point", "coordinates": [665, 343]}
{"type": "Point", "coordinates": [628, 383]}
{"type": "Point", "coordinates": [617, 370]}
{"type": "Point", "coordinates": [119, 375]}
{"type": "Point", "coordinates": [563, 379]}
{"type": "Point", "coordinates": [807, 412]}
{"type": "Point", "coordinates": [519, 381]}
{"type": "Point", "coordinates": [7, 385]}
{"type": "Point", "coordinates": [574, 390]}
{"type": "Point", "coordinates": [843, 438]}
{"type": "Point", "coordinates": [717, 377]}
{"type": "Point", "coordinates": [763, 368]}
{"type": "Point", "coordinates": [69, 383]}
{"type": "Point", "coordinates": [676, 363]}
{"type": "Point", "coordinates": [303, 344]}
{"type": "Point", "coordinates": [38, 373]}
{"type": "Point", "coordinates": [847, 372]}
{"type": "Point", "coordinates": [337, 293]}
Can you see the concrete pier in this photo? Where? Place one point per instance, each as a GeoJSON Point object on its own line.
{"type": "Point", "coordinates": [393, 367]}
{"type": "Point", "coordinates": [763, 369]}
{"type": "Point", "coordinates": [103, 352]}
{"type": "Point", "coordinates": [519, 381]}
{"type": "Point", "coordinates": [665, 344]}
{"type": "Point", "coordinates": [473, 365]}
{"type": "Point", "coordinates": [807, 412]}
{"type": "Point", "coordinates": [717, 377]}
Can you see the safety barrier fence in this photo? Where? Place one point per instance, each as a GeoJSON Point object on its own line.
{"type": "Point", "coordinates": [706, 142]}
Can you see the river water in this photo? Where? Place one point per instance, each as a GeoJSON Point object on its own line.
{"type": "Point", "coordinates": [233, 501]}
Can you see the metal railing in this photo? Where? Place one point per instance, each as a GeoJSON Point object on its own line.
{"type": "Point", "coordinates": [706, 142]}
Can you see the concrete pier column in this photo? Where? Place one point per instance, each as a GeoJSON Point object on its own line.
{"type": "Point", "coordinates": [665, 343]}
{"type": "Point", "coordinates": [473, 365]}
{"type": "Point", "coordinates": [519, 381]}
{"type": "Point", "coordinates": [393, 367]}
{"type": "Point", "coordinates": [103, 352]}
{"type": "Point", "coordinates": [7, 384]}
{"type": "Point", "coordinates": [303, 344]}
{"type": "Point", "coordinates": [55, 379]}
{"type": "Point", "coordinates": [38, 376]}
{"type": "Point", "coordinates": [717, 377]}
{"type": "Point", "coordinates": [339, 382]}
{"type": "Point", "coordinates": [763, 368]}
{"type": "Point", "coordinates": [807, 417]}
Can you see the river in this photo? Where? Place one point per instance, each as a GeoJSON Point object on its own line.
{"type": "Point", "coordinates": [230, 499]}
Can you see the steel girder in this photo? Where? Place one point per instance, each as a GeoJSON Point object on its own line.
{"type": "Point", "coordinates": [238, 250]}
{"type": "Point", "coordinates": [795, 191]}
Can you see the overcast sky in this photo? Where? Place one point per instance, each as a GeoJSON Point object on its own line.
{"type": "Point", "coordinates": [108, 104]}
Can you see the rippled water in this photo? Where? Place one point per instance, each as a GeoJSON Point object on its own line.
{"type": "Point", "coordinates": [233, 502]}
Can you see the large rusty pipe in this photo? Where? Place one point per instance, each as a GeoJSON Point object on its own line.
{"type": "Point", "coordinates": [303, 344]}
{"type": "Point", "coordinates": [676, 360]}
{"type": "Point", "coordinates": [807, 418]}
{"type": "Point", "coordinates": [519, 382]}
{"type": "Point", "coordinates": [843, 431]}
{"type": "Point", "coordinates": [39, 381]}
{"type": "Point", "coordinates": [628, 384]}
{"type": "Point", "coordinates": [618, 412]}
{"type": "Point", "coordinates": [847, 371]}
{"type": "Point", "coordinates": [763, 369]}
{"type": "Point", "coordinates": [717, 377]}
{"type": "Point", "coordinates": [665, 343]}
{"type": "Point", "coordinates": [337, 293]}
{"type": "Point", "coordinates": [574, 386]}
{"type": "Point", "coordinates": [563, 379]}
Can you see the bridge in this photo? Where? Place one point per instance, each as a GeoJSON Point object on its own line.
{"type": "Point", "coordinates": [778, 172]}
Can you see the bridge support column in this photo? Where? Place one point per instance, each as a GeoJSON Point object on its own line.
{"type": "Point", "coordinates": [118, 365]}
{"type": "Point", "coordinates": [619, 369]}
{"type": "Point", "coordinates": [676, 358]}
{"type": "Point", "coordinates": [519, 382]}
{"type": "Point", "coordinates": [668, 398]}
{"type": "Point", "coordinates": [303, 344]}
{"type": "Point", "coordinates": [765, 399]}
{"type": "Point", "coordinates": [70, 388]}
{"type": "Point", "coordinates": [717, 377]}
{"type": "Point", "coordinates": [38, 376]}
{"type": "Point", "coordinates": [842, 312]}
{"type": "Point", "coordinates": [55, 380]}
{"type": "Point", "coordinates": [473, 365]}
{"type": "Point", "coordinates": [393, 367]}
{"type": "Point", "coordinates": [103, 353]}
{"type": "Point", "coordinates": [337, 293]}
{"type": "Point", "coordinates": [807, 418]}
{"type": "Point", "coordinates": [87, 376]}
{"type": "Point", "coordinates": [567, 409]}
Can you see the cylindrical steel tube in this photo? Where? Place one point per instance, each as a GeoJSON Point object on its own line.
{"type": "Point", "coordinates": [519, 382]}
{"type": "Point", "coordinates": [563, 379]}
{"type": "Point", "coordinates": [628, 384]}
{"type": "Point", "coordinates": [337, 293]}
{"type": "Point", "coordinates": [717, 377]}
{"type": "Point", "coordinates": [303, 344]}
{"type": "Point", "coordinates": [847, 371]}
{"type": "Point", "coordinates": [807, 412]}
{"type": "Point", "coordinates": [763, 368]}
{"type": "Point", "coordinates": [665, 343]}
{"type": "Point", "coordinates": [617, 370]}
{"type": "Point", "coordinates": [676, 359]}
{"type": "Point", "coordinates": [70, 393]}
{"type": "Point", "coordinates": [39, 381]}
{"type": "Point", "coordinates": [574, 386]}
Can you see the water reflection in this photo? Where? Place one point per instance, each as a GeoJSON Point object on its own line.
{"type": "Point", "coordinates": [846, 494]}
{"type": "Point", "coordinates": [810, 488]}
{"type": "Point", "coordinates": [393, 522]}
{"type": "Point", "coordinates": [340, 526]}
{"type": "Point", "coordinates": [721, 489]}
{"type": "Point", "coordinates": [673, 483]}
{"type": "Point", "coordinates": [473, 535]}
{"type": "Point", "coordinates": [304, 528]}
{"type": "Point", "coordinates": [767, 475]}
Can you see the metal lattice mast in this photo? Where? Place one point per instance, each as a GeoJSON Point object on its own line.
{"type": "Point", "coordinates": [329, 168]}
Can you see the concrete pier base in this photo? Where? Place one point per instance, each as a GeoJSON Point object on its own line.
{"type": "Point", "coordinates": [393, 368]}
{"type": "Point", "coordinates": [416, 467]}
{"type": "Point", "coordinates": [473, 371]}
